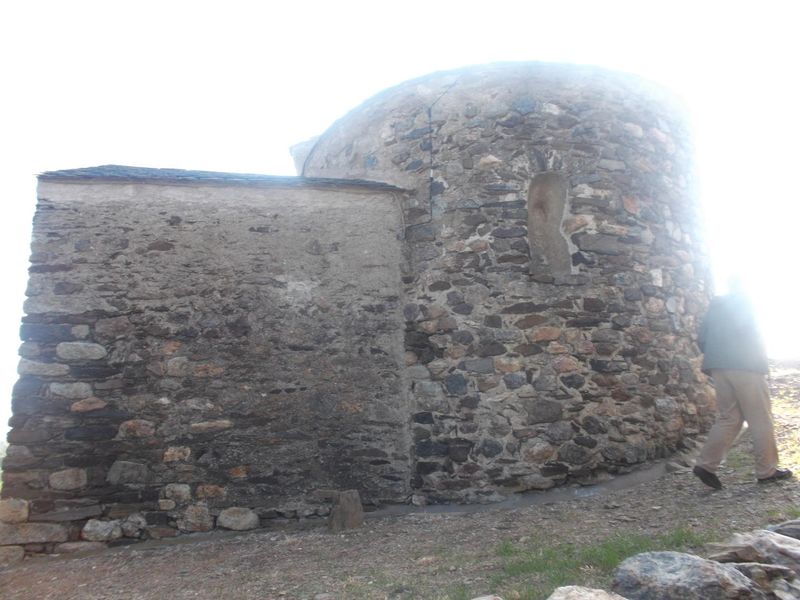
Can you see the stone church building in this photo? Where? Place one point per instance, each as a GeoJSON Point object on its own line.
{"type": "Point", "coordinates": [482, 282]}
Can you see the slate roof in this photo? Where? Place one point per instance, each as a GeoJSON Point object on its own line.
{"type": "Point", "coordinates": [122, 173]}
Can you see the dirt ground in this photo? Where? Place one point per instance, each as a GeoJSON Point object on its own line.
{"type": "Point", "coordinates": [422, 555]}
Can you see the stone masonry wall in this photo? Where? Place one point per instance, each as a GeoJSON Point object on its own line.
{"type": "Point", "coordinates": [204, 352]}
{"type": "Point", "coordinates": [556, 275]}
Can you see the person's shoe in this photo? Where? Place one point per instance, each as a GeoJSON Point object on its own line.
{"type": "Point", "coordinates": [708, 478]}
{"type": "Point", "coordinates": [776, 476]}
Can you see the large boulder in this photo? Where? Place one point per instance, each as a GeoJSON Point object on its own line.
{"type": "Point", "coordinates": [677, 576]}
{"type": "Point", "coordinates": [760, 546]}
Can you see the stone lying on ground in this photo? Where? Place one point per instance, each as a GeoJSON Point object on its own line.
{"type": "Point", "coordinates": [101, 531]}
{"type": "Point", "coordinates": [76, 547]}
{"type": "Point", "coordinates": [760, 546]}
{"type": "Point", "coordinates": [11, 554]}
{"type": "Point", "coordinates": [677, 576]}
{"type": "Point", "coordinates": [31, 533]}
{"type": "Point", "coordinates": [575, 592]}
{"type": "Point", "coordinates": [772, 578]}
{"type": "Point", "coordinates": [788, 528]}
{"type": "Point", "coordinates": [238, 519]}
{"type": "Point", "coordinates": [347, 512]}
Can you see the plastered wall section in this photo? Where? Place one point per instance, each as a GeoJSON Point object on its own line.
{"type": "Point", "coordinates": [245, 340]}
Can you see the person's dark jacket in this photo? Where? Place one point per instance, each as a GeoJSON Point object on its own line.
{"type": "Point", "coordinates": [729, 336]}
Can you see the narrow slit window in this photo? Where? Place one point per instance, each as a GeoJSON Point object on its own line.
{"type": "Point", "coordinates": [547, 198]}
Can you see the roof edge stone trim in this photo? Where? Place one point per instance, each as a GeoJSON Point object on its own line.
{"type": "Point", "coordinates": [123, 173]}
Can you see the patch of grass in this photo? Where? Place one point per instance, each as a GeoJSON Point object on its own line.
{"type": "Point", "coordinates": [792, 512]}
{"type": "Point", "coordinates": [548, 566]}
{"type": "Point", "coordinates": [458, 592]}
{"type": "Point", "coordinates": [507, 548]}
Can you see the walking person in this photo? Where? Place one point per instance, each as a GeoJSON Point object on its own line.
{"type": "Point", "coordinates": [735, 357]}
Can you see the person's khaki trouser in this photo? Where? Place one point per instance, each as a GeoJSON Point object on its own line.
{"type": "Point", "coordinates": [741, 396]}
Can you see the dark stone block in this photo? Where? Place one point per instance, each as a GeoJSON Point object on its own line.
{"type": "Point", "coordinates": [415, 134]}
{"type": "Point", "coordinates": [573, 381]}
{"type": "Point", "coordinates": [585, 440]}
{"type": "Point", "coordinates": [421, 233]}
{"type": "Point", "coordinates": [543, 411]}
{"type": "Point", "coordinates": [93, 371]}
{"type": "Point", "coordinates": [633, 294]}
{"type": "Point", "coordinates": [455, 384]}
{"type": "Point", "coordinates": [439, 286]}
{"type": "Point", "coordinates": [90, 433]}
{"type": "Point", "coordinates": [593, 425]}
{"type": "Point", "coordinates": [530, 321]}
{"type": "Point", "coordinates": [490, 448]}
{"type": "Point", "coordinates": [157, 519]}
{"type": "Point", "coordinates": [585, 322]}
{"type": "Point", "coordinates": [49, 268]}
{"type": "Point", "coordinates": [464, 308]}
{"type": "Point", "coordinates": [427, 448]}
{"type": "Point", "coordinates": [593, 305]}
{"type": "Point", "coordinates": [608, 366]}
{"type": "Point", "coordinates": [27, 386]}
{"type": "Point", "coordinates": [510, 232]}
{"type": "Point", "coordinates": [462, 337]}
{"type": "Point", "coordinates": [459, 450]}
{"type": "Point", "coordinates": [552, 469]}
{"type": "Point", "coordinates": [522, 308]}
{"type": "Point", "coordinates": [46, 333]}
{"type": "Point", "coordinates": [494, 321]}
{"type": "Point", "coordinates": [470, 402]}
{"type": "Point", "coordinates": [574, 454]}
{"type": "Point", "coordinates": [425, 418]}
{"type": "Point", "coordinates": [514, 381]}
{"type": "Point", "coordinates": [491, 349]}
{"type": "Point", "coordinates": [411, 311]}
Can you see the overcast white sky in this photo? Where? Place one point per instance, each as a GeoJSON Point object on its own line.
{"type": "Point", "coordinates": [229, 86]}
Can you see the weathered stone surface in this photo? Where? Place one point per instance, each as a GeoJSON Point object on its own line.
{"type": "Point", "coordinates": [79, 351]}
{"type": "Point", "coordinates": [68, 479]}
{"type": "Point", "coordinates": [676, 576]}
{"type": "Point", "coordinates": [788, 528]}
{"type": "Point", "coordinates": [65, 514]}
{"type": "Point", "coordinates": [96, 530]}
{"type": "Point", "coordinates": [574, 592]}
{"type": "Point", "coordinates": [543, 411]}
{"type": "Point", "coordinates": [79, 547]}
{"type": "Point", "coordinates": [210, 491]}
{"type": "Point", "coordinates": [136, 428]}
{"type": "Point", "coordinates": [347, 512]}
{"type": "Point", "coordinates": [14, 510]}
{"type": "Point", "coordinates": [10, 555]}
{"type": "Point", "coordinates": [196, 518]}
{"type": "Point", "coordinates": [31, 533]}
{"type": "Point", "coordinates": [133, 525]}
{"type": "Point", "coordinates": [30, 367]}
{"type": "Point", "coordinates": [88, 405]}
{"type": "Point", "coordinates": [760, 547]}
{"type": "Point", "coordinates": [177, 453]}
{"type": "Point", "coordinates": [123, 471]}
{"type": "Point", "coordinates": [209, 426]}
{"type": "Point", "coordinates": [71, 390]}
{"type": "Point", "coordinates": [179, 492]}
{"type": "Point", "coordinates": [238, 518]}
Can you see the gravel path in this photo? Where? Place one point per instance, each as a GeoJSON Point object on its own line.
{"type": "Point", "coordinates": [419, 555]}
